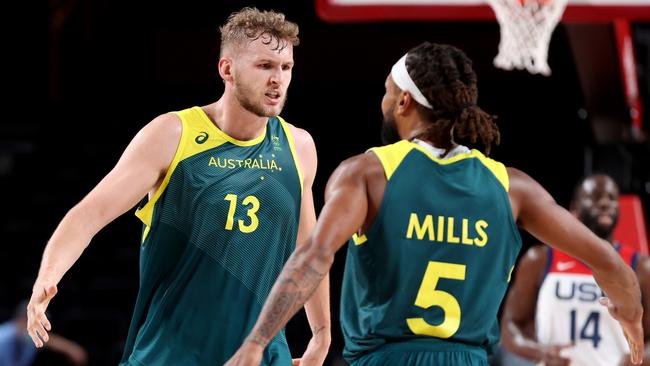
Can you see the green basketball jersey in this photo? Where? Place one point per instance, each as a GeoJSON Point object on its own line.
{"type": "Point", "coordinates": [216, 236]}
{"type": "Point", "coordinates": [434, 266]}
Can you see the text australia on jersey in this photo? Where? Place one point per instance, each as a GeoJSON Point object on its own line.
{"type": "Point", "coordinates": [250, 163]}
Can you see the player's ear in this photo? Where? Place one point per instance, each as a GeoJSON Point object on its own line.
{"type": "Point", "coordinates": [226, 69]}
{"type": "Point", "coordinates": [404, 101]}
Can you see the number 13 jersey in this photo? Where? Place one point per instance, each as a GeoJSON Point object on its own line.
{"type": "Point", "coordinates": [216, 236]}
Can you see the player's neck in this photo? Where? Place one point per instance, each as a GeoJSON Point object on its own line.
{"type": "Point", "coordinates": [437, 138]}
{"type": "Point", "coordinates": [233, 119]}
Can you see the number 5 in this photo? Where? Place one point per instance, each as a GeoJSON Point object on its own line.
{"type": "Point", "coordinates": [428, 296]}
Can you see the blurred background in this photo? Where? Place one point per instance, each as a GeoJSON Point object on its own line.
{"type": "Point", "coordinates": [83, 76]}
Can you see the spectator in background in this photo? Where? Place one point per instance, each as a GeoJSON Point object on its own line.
{"type": "Point", "coordinates": [17, 348]}
{"type": "Point", "coordinates": [552, 312]}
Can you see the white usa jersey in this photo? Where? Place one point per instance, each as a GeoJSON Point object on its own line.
{"type": "Point", "coordinates": [568, 312]}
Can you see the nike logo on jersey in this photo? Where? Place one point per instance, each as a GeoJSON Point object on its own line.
{"type": "Point", "coordinates": [563, 266]}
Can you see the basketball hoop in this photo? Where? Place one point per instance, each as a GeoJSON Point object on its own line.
{"type": "Point", "coordinates": [526, 29]}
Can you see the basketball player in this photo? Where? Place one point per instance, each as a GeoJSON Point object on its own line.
{"type": "Point", "coordinates": [434, 231]}
{"type": "Point", "coordinates": [229, 194]}
{"type": "Point", "coordinates": [556, 295]}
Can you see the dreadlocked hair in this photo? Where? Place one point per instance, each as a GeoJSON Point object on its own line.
{"type": "Point", "coordinates": [445, 77]}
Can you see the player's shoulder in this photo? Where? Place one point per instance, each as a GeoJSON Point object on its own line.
{"type": "Point", "coordinates": [166, 119]}
{"type": "Point", "coordinates": [156, 142]}
{"type": "Point", "coordinates": [302, 139]}
{"type": "Point", "coordinates": [166, 127]}
{"type": "Point", "coordinates": [518, 179]}
{"type": "Point", "coordinates": [362, 165]}
{"type": "Point", "coordinates": [300, 135]}
{"type": "Point", "coordinates": [364, 161]}
{"type": "Point", "coordinates": [531, 267]}
{"type": "Point", "coordinates": [537, 255]}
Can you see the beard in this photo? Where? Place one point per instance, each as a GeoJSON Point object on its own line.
{"type": "Point", "coordinates": [602, 231]}
{"type": "Point", "coordinates": [245, 98]}
{"type": "Point", "coordinates": [389, 134]}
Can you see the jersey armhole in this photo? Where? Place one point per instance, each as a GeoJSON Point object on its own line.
{"type": "Point", "coordinates": [391, 156]}
{"type": "Point", "coordinates": [496, 168]}
{"type": "Point", "coordinates": [292, 147]}
{"type": "Point", "coordinates": [145, 213]}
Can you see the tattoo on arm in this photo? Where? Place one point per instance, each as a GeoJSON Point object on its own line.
{"type": "Point", "coordinates": [296, 284]}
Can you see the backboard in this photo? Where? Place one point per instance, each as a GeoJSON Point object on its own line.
{"type": "Point", "coordinates": [583, 11]}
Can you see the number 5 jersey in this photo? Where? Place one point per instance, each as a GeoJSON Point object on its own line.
{"type": "Point", "coordinates": [431, 271]}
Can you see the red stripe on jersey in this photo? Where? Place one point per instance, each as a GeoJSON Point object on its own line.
{"type": "Point", "coordinates": [564, 263]}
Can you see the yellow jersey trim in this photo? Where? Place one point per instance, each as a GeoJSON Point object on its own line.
{"type": "Point", "coordinates": [192, 123]}
{"type": "Point", "coordinates": [145, 213]}
{"type": "Point", "coordinates": [213, 127]}
{"type": "Point", "coordinates": [498, 169]}
{"type": "Point", "coordinates": [287, 132]}
{"type": "Point", "coordinates": [391, 157]}
{"type": "Point", "coordinates": [144, 234]}
{"type": "Point", "coordinates": [358, 240]}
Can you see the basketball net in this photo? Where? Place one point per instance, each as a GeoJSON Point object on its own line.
{"type": "Point", "coordinates": [526, 29]}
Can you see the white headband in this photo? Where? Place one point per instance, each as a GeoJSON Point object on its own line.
{"type": "Point", "coordinates": [403, 80]}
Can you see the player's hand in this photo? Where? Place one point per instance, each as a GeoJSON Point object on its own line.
{"type": "Point", "coordinates": [38, 325]}
{"type": "Point", "coordinates": [315, 353]}
{"type": "Point", "coordinates": [249, 354]}
{"type": "Point", "coordinates": [551, 355]}
{"type": "Point", "coordinates": [625, 361]}
{"type": "Point", "coordinates": [631, 323]}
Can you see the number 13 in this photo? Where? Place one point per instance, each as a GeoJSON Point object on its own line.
{"type": "Point", "coordinates": [252, 211]}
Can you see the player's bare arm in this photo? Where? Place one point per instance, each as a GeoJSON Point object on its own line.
{"type": "Point", "coordinates": [643, 274]}
{"type": "Point", "coordinates": [519, 309]}
{"type": "Point", "coordinates": [346, 204]}
{"type": "Point", "coordinates": [537, 212]}
{"type": "Point", "coordinates": [140, 170]}
{"type": "Point", "coordinates": [72, 351]}
{"type": "Point", "coordinates": [318, 306]}
{"type": "Point", "coordinates": [518, 319]}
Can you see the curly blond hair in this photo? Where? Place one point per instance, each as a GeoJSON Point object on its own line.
{"type": "Point", "coordinates": [250, 24]}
